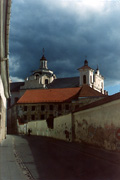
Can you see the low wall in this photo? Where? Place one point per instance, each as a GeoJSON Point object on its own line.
{"type": "Point", "coordinates": [61, 128]}
{"type": "Point", "coordinates": [99, 125]}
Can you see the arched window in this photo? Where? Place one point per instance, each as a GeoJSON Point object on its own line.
{"type": "Point", "coordinates": [46, 81]}
{"type": "Point", "coordinates": [84, 79]}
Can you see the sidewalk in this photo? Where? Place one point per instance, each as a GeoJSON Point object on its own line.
{"type": "Point", "coordinates": [9, 169]}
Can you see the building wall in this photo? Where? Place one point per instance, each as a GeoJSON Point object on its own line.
{"type": "Point", "coordinates": [14, 98]}
{"type": "Point", "coordinates": [3, 127]}
{"type": "Point", "coordinates": [26, 115]}
{"type": "Point", "coordinates": [99, 83]}
{"type": "Point", "coordinates": [99, 126]}
{"type": "Point", "coordinates": [85, 72]}
{"type": "Point", "coordinates": [12, 120]}
{"type": "Point", "coordinates": [28, 112]}
{"type": "Point", "coordinates": [4, 71]}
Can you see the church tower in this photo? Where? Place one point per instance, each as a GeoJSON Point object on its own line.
{"type": "Point", "coordinates": [98, 81]}
{"type": "Point", "coordinates": [86, 75]}
{"type": "Point", "coordinates": [40, 78]}
{"type": "Point", "coordinates": [43, 63]}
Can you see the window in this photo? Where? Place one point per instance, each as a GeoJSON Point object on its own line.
{"type": "Point", "coordinates": [33, 117]}
{"type": "Point", "coordinates": [42, 116]}
{"type": "Point", "coordinates": [42, 108]}
{"type": "Point", "coordinates": [33, 108]}
{"type": "Point", "coordinates": [67, 107]}
{"type": "Point", "coordinates": [46, 81]}
{"type": "Point", "coordinates": [25, 108]}
{"type": "Point", "coordinates": [59, 107]}
{"type": "Point", "coordinates": [76, 107]}
{"type": "Point", "coordinates": [51, 107]}
{"type": "Point", "coordinates": [84, 79]}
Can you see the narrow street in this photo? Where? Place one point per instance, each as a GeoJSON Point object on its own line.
{"type": "Point", "coordinates": [39, 158]}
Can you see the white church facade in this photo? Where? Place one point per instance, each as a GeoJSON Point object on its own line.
{"type": "Point", "coordinates": [40, 78]}
{"type": "Point", "coordinates": [49, 102]}
{"type": "Point", "coordinates": [94, 80]}
{"type": "Point", "coordinates": [44, 78]}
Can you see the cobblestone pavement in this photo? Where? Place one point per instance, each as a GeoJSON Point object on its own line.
{"type": "Point", "coordinates": [40, 158]}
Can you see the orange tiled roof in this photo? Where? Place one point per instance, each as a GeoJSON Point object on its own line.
{"type": "Point", "coordinates": [49, 95]}
{"type": "Point", "coordinates": [85, 67]}
{"type": "Point", "coordinates": [87, 91]}
{"type": "Point", "coordinates": [43, 58]}
{"type": "Point", "coordinates": [57, 95]}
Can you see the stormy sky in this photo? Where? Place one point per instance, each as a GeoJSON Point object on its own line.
{"type": "Point", "coordinates": [68, 31]}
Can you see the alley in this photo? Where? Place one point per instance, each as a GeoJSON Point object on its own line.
{"type": "Point", "coordinates": [39, 158]}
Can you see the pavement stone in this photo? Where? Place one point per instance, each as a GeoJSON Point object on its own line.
{"type": "Point", "coordinates": [9, 169]}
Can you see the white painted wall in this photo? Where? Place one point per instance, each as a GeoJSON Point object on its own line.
{"type": "Point", "coordinates": [88, 73]}
{"type": "Point", "coordinates": [99, 125]}
{"type": "Point", "coordinates": [2, 93]}
{"type": "Point", "coordinates": [98, 82]}
{"type": "Point", "coordinates": [62, 128]}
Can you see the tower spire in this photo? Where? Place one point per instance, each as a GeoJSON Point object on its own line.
{"type": "Point", "coordinates": [43, 51]}
{"type": "Point", "coordinates": [43, 61]}
{"type": "Point", "coordinates": [97, 67]}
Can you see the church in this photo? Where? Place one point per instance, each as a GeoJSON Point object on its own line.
{"type": "Point", "coordinates": [75, 109]}
{"type": "Point", "coordinates": [44, 78]}
{"type": "Point", "coordinates": [44, 96]}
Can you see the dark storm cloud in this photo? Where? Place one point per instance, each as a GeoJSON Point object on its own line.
{"type": "Point", "coordinates": [68, 35]}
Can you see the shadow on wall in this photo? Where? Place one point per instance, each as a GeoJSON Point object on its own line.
{"type": "Point", "coordinates": [107, 137]}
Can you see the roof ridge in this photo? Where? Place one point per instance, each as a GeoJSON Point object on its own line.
{"type": "Point", "coordinates": [100, 102]}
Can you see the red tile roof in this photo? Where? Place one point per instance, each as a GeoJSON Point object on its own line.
{"type": "Point", "coordinates": [87, 91]}
{"type": "Point", "coordinates": [57, 95]}
{"type": "Point", "coordinates": [100, 102]}
{"type": "Point", "coordinates": [49, 95]}
{"type": "Point", "coordinates": [43, 58]}
{"type": "Point", "coordinates": [85, 67]}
